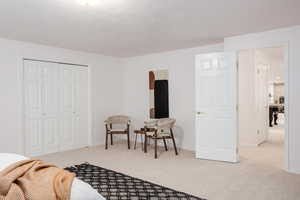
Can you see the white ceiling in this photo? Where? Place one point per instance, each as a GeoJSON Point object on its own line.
{"type": "Point", "coordinates": [136, 27]}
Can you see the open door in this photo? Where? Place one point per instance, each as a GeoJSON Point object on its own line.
{"type": "Point", "coordinates": [216, 107]}
{"type": "Point", "coordinates": [261, 102]}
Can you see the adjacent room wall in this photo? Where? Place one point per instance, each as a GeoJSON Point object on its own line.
{"type": "Point", "coordinates": [181, 65]}
{"type": "Point", "coordinates": [105, 95]}
{"type": "Point", "coordinates": [291, 37]}
{"type": "Point", "coordinates": [275, 58]}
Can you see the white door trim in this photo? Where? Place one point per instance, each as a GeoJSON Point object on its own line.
{"type": "Point", "coordinates": [286, 107]}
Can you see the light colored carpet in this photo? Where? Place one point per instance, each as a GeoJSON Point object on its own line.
{"type": "Point", "coordinates": [259, 175]}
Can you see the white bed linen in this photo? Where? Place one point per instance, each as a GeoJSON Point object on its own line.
{"type": "Point", "coordinates": [79, 191]}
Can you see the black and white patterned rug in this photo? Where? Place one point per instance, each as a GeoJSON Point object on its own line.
{"type": "Point", "coordinates": [115, 185]}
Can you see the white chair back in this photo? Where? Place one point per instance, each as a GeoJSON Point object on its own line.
{"type": "Point", "coordinates": [118, 119]}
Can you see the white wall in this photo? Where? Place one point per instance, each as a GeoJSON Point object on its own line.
{"type": "Point", "coordinates": [278, 92]}
{"type": "Point", "coordinates": [103, 71]}
{"type": "Point", "coordinates": [181, 65]}
{"type": "Point", "coordinates": [274, 57]}
{"type": "Point", "coordinates": [290, 36]}
{"type": "Point", "coordinates": [247, 126]}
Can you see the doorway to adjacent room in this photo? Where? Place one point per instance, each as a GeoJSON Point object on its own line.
{"type": "Point", "coordinates": [262, 100]}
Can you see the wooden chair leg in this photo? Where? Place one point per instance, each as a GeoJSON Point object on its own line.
{"type": "Point", "coordinates": [145, 144]}
{"type": "Point", "coordinates": [155, 155]}
{"type": "Point", "coordinates": [128, 140]}
{"type": "Point", "coordinates": [128, 136]}
{"type": "Point", "coordinates": [173, 139]}
{"type": "Point", "coordinates": [106, 138]}
{"type": "Point", "coordinates": [111, 139]}
{"type": "Point", "coordinates": [165, 143]}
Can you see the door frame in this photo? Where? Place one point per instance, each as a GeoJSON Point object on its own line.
{"type": "Point", "coordinates": [285, 46]}
{"type": "Point", "coordinates": [23, 131]}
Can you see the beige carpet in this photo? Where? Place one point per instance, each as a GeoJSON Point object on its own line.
{"type": "Point", "coordinates": [259, 175]}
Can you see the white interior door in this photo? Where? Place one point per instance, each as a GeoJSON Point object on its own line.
{"type": "Point", "coordinates": [74, 107]}
{"type": "Point", "coordinates": [51, 115]}
{"type": "Point", "coordinates": [33, 84]}
{"type": "Point", "coordinates": [68, 107]}
{"type": "Point", "coordinates": [216, 107]}
{"type": "Point", "coordinates": [41, 107]}
{"type": "Point", "coordinates": [81, 107]}
{"type": "Point", "coordinates": [261, 101]}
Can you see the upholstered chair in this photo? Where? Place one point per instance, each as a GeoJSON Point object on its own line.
{"type": "Point", "coordinates": [118, 124]}
{"type": "Point", "coordinates": [160, 129]}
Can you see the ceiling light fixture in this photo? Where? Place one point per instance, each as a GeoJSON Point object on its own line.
{"type": "Point", "coordinates": [88, 2]}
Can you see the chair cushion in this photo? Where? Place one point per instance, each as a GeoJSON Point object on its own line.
{"type": "Point", "coordinates": [150, 133]}
{"type": "Point", "coordinates": [159, 134]}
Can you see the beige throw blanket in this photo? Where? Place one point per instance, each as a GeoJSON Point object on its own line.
{"type": "Point", "coordinates": [35, 180]}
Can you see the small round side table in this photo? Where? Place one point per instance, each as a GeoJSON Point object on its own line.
{"type": "Point", "coordinates": [140, 132]}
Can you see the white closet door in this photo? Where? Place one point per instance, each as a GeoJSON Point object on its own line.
{"type": "Point", "coordinates": [56, 107]}
{"type": "Point", "coordinates": [81, 107]}
{"type": "Point", "coordinates": [51, 116]}
{"type": "Point", "coordinates": [75, 107]}
{"type": "Point", "coordinates": [68, 107]}
{"type": "Point", "coordinates": [33, 108]}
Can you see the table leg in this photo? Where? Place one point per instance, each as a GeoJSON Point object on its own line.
{"type": "Point", "coordinates": [135, 141]}
{"type": "Point", "coordinates": [142, 142]}
{"type": "Point", "coordinates": [145, 144]}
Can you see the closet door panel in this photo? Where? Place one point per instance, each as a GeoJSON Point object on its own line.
{"type": "Point", "coordinates": [33, 137]}
{"type": "Point", "coordinates": [67, 134]}
{"type": "Point", "coordinates": [33, 108]}
{"type": "Point", "coordinates": [51, 115]}
{"type": "Point", "coordinates": [68, 89]}
{"type": "Point", "coordinates": [51, 133]}
{"type": "Point", "coordinates": [33, 89]}
{"type": "Point", "coordinates": [81, 106]}
{"type": "Point", "coordinates": [51, 89]}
